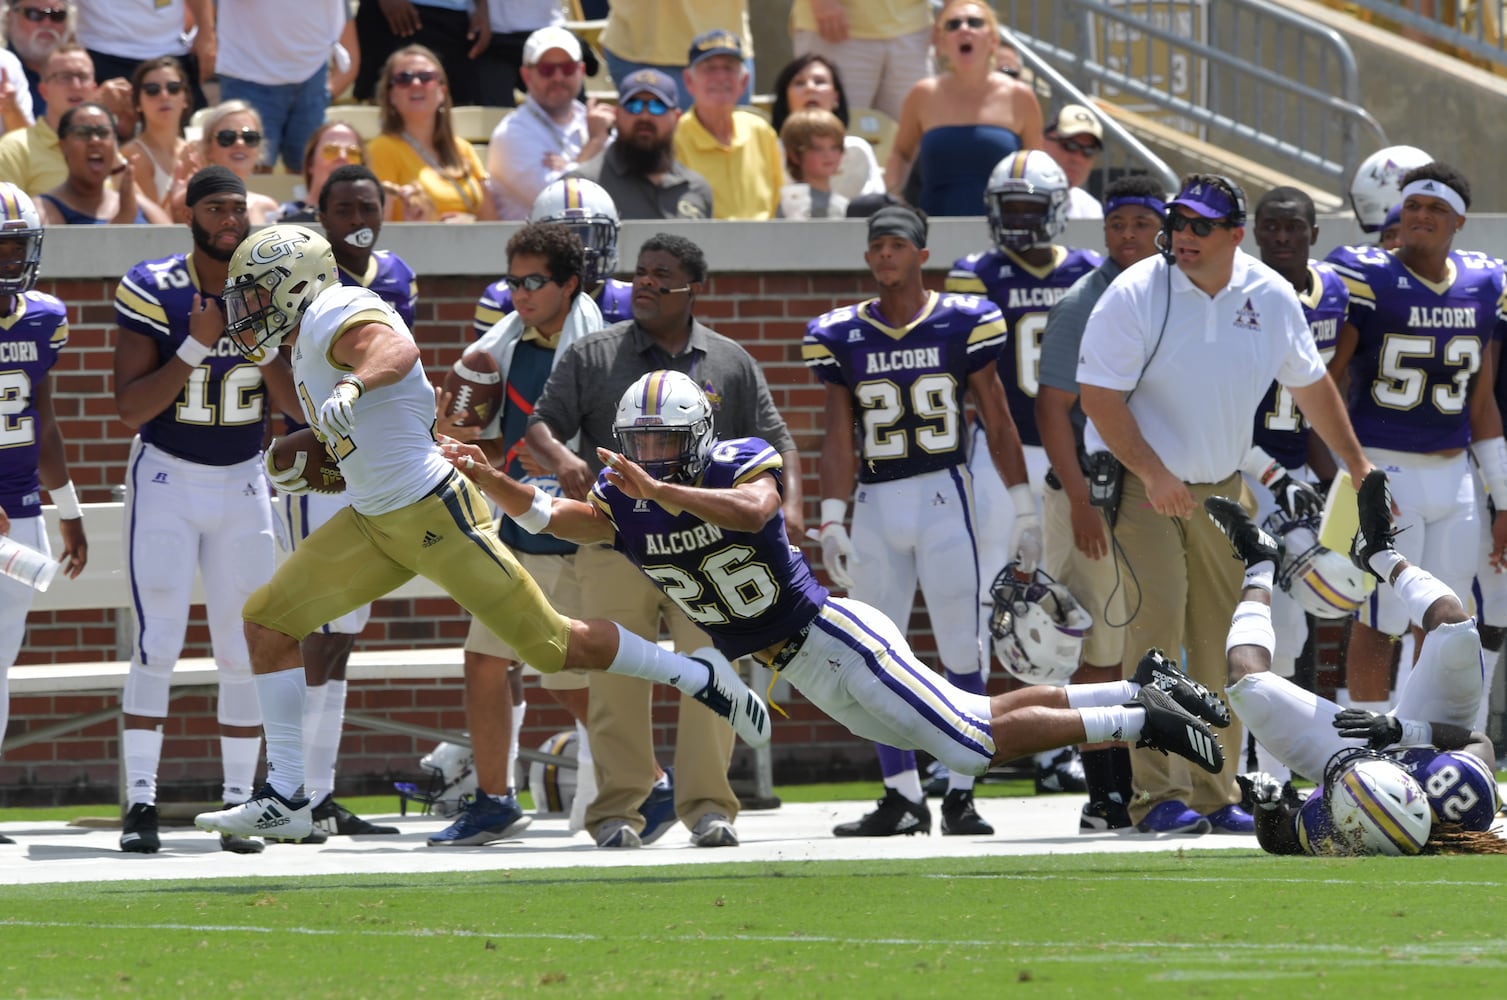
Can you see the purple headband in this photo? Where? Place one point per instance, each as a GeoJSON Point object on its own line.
{"type": "Point", "coordinates": [1155, 204]}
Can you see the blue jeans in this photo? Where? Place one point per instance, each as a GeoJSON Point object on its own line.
{"type": "Point", "coordinates": [290, 113]}
{"type": "Point", "coordinates": [619, 68]}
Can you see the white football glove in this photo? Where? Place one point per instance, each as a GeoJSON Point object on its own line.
{"type": "Point", "coordinates": [289, 480]}
{"type": "Point", "coordinates": [1025, 536]}
{"type": "Point", "coordinates": [837, 549]}
{"type": "Point", "coordinates": [337, 414]}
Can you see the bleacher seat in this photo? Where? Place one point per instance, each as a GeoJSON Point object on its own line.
{"type": "Point", "coordinates": [366, 119]}
{"type": "Point", "coordinates": [475, 122]}
{"type": "Point", "coordinates": [875, 126]}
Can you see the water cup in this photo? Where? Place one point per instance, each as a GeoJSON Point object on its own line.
{"type": "Point", "coordinates": [24, 563]}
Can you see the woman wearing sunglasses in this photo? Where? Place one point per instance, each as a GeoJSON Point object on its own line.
{"type": "Point", "coordinates": [810, 81]}
{"type": "Point", "coordinates": [159, 90]}
{"type": "Point", "coordinates": [233, 139]}
{"type": "Point", "coordinates": [957, 125]}
{"type": "Point", "coordinates": [429, 174]}
{"type": "Point", "coordinates": [86, 136]}
{"type": "Point", "coordinates": [333, 144]}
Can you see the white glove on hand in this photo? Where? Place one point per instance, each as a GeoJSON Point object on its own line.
{"type": "Point", "coordinates": [1025, 537]}
{"type": "Point", "coordinates": [337, 414]}
{"type": "Point", "coordinates": [287, 480]}
{"type": "Point", "coordinates": [837, 549]}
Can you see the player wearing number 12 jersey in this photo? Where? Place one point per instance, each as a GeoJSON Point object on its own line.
{"type": "Point", "coordinates": [898, 366]}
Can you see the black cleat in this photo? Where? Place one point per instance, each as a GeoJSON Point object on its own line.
{"type": "Point", "coordinates": [1063, 774]}
{"type": "Point", "coordinates": [1104, 816]}
{"type": "Point", "coordinates": [1373, 506]}
{"type": "Point", "coordinates": [138, 831]}
{"type": "Point", "coordinates": [333, 818]}
{"type": "Point", "coordinates": [959, 817]}
{"type": "Point", "coordinates": [240, 845]}
{"type": "Point", "coordinates": [5, 840]}
{"type": "Point", "coordinates": [1155, 670]}
{"type": "Point", "coordinates": [1251, 544]}
{"type": "Point", "coordinates": [1172, 729]}
{"type": "Point", "coordinates": [896, 816]}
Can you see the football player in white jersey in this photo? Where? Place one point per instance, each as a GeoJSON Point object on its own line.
{"type": "Point", "coordinates": [363, 390]}
{"type": "Point", "coordinates": [196, 497]}
{"type": "Point", "coordinates": [33, 331]}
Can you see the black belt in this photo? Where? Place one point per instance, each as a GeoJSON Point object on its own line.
{"type": "Point", "coordinates": [791, 648]}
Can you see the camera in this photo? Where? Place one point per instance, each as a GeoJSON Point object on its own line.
{"type": "Point", "coordinates": [1104, 473]}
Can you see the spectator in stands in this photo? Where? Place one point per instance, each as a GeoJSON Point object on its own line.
{"type": "Point", "coordinates": [160, 91]}
{"type": "Point", "coordinates": [512, 24]}
{"type": "Point", "coordinates": [552, 132]}
{"type": "Point", "coordinates": [30, 158]}
{"type": "Point", "coordinates": [121, 36]}
{"type": "Point", "coordinates": [813, 151]}
{"type": "Point", "coordinates": [882, 47]}
{"type": "Point", "coordinates": [454, 32]}
{"type": "Point", "coordinates": [232, 137]}
{"type": "Point", "coordinates": [638, 170]}
{"type": "Point", "coordinates": [15, 95]}
{"type": "Point", "coordinates": [85, 197]}
{"type": "Point", "coordinates": [1075, 139]}
{"type": "Point", "coordinates": [429, 174]}
{"type": "Point", "coordinates": [656, 34]}
{"type": "Point", "coordinates": [33, 30]}
{"type": "Point", "coordinates": [275, 56]}
{"type": "Point", "coordinates": [957, 125]}
{"type": "Point", "coordinates": [810, 81]}
{"type": "Point", "coordinates": [736, 151]}
{"type": "Point", "coordinates": [334, 144]}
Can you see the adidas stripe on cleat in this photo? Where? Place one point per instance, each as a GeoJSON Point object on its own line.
{"type": "Point", "coordinates": [1172, 729]}
{"type": "Point", "coordinates": [266, 814]}
{"type": "Point", "coordinates": [138, 831]}
{"type": "Point", "coordinates": [727, 695]}
{"type": "Point", "coordinates": [1155, 670]}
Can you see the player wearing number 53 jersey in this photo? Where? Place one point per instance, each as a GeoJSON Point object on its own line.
{"type": "Point", "coordinates": [898, 366]}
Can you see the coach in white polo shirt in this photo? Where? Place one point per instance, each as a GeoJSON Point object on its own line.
{"type": "Point", "coordinates": [1175, 358]}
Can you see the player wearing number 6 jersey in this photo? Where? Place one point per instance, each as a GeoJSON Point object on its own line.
{"type": "Point", "coordinates": [1418, 346]}
{"type": "Point", "coordinates": [196, 497]}
{"type": "Point", "coordinates": [898, 366]}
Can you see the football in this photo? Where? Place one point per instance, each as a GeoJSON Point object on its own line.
{"type": "Point", "coordinates": [475, 388]}
{"type": "Point", "coordinates": [321, 471]}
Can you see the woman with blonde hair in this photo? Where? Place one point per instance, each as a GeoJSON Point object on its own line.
{"type": "Point", "coordinates": [957, 125]}
{"type": "Point", "coordinates": [333, 144]}
{"type": "Point", "coordinates": [232, 138]}
{"type": "Point", "coordinates": [429, 174]}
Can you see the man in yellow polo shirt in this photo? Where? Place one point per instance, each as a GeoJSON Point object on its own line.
{"type": "Point", "coordinates": [736, 151]}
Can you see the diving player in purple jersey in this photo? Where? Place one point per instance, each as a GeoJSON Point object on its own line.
{"type": "Point", "coordinates": [1418, 348]}
{"type": "Point", "coordinates": [33, 331]}
{"type": "Point", "coordinates": [1024, 274]}
{"type": "Point", "coordinates": [587, 210]}
{"type": "Point", "coordinates": [702, 519]}
{"type": "Point", "coordinates": [196, 495]}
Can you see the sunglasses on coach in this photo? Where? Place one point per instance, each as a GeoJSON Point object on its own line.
{"type": "Point", "coordinates": [227, 137]}
{"type": "Point", "coordinates": [173, 87]}
{"type": "Point", "coordinates": [407, 78]}
{"type": "Point", "coordinates": [957, 23]}
{"type": "Point", "coordinates": [638, 105]}
{"type": "Point", "coordinates": [36, 15]}
{"type": "Point", "coordinates": [1177, 222]}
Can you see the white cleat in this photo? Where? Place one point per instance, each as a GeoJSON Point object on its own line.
{"type": "Point", "coordinates": [735, 701]}
{"type": "Point", "coordinates": [266, 814]}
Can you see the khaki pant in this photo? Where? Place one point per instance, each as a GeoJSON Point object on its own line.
{"type": "Point", "coordinates": [620, 722]}
{"type": "Point", "coordinates": [1097, 584]}
{"type": "Point", "coordinates": [1187, 582]}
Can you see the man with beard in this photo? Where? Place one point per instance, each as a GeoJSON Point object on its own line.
{"type": "Point", "coordinates": [34, 29]}
{"type": "Point", "coordinates": [551, 132]}
{"type": "Point", "coordinates": [196, 495]}
{"type": "Point", "coordinates": [639, 170]}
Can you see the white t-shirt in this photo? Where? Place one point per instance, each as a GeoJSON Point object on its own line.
{"type": "Point", "coordinates": [275, 42]}
{"type": "Point", "coordinates": [132, 29]}
{"type": "Point", "coordinates": [509, 16]}
{"type": "Point", "coordinates": [1195, 402]}
{"type": "Point", "coordinates": [516, 171]}
{"type": "Point", "coordinates": [12, 70]}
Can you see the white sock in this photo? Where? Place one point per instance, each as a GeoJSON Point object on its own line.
{"type": "Point", "coordinates": [322, 744]}
{"type": "Point", "coordinates": [907, 783]}
{"type": "Point", "coordinates": [1268, 762]}
{"type": "Point", "coordinates": [1260, 575]}
{"type": "Point", "coordinates": [281, 695]}
{"type": "Point", "coordinates": [958, 781]}
{"type": "Point", "coordinates": [586, 781]}
{"type": "Point", "coordinates": [1112, 723]}
{"type": "Point", "coordinates": [1419, 589]}
{"type": "Point", "coordinates": [1383, 562]}
{"type": "Point", "coordinates": [518, 710]}
{"type": "Point", "coordinates": [143, 750]}
{"type": "Point", "coordinates": [1100, 695]}
{"type": "Point", "coordinates": [239, 755]}
{"type": "Point", "coordinates": [638, 657]}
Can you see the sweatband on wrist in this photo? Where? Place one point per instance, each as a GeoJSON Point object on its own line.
{"type": "Point", "coordinates": [355, 380]}
{"type": "Point", "coordinates": [1491, 457]}
{"type": "Point", "coordinates": [1260, 466]}
{"type": "Point", "coordinates": [65, 498]}
{"type": "Point", "coordinates": [536, 518]}
{"type": "Point", "coordinates": [834, 511]}
{"type": "Point", "coordinates": [193, 353]}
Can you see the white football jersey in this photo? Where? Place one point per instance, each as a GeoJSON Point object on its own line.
{"type": "Point", "coordinates": [390, 459]}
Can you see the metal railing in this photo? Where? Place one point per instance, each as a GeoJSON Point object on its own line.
{"type": "Point", "coordinates": [1469, 27]}
{"type": "Point", "coordinates": [1246, 75]}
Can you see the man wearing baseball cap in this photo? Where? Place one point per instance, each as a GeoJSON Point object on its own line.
{"type": "Point", "coordinates": [1075, 139]}
{"type": "Point", "coordinates": [551, 132]}
{"type": "Point", "coordinates": [655, 33]}
{"type": "Point", "coordinates": [736, 151]}
{"type": "Point", "coordinates": [1176, 357]}
{"type": "Point", "coordinates": [638, 168]}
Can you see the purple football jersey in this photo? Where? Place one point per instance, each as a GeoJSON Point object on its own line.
{"type": "Point", "coordinates": [1025, 295]}
{"type": "Point", "coordinates": [1420, 345]}
{"type": "Point", "coordinates": [218, 416]}
{"type": "Point", "coordinates": [1461, 788]}
{"type": "Point", "coordinates": [30, 339]}
{"type": "Point", "coordinates": [614, 298]}
{"type": "Point", "coordinates": [393, 281]}
{"type": "Point", "coordinates": [907, 381]}
{"type": "Point", "coordinates": [1280, 429]}
{"type": "Point", "coordinates": [748, 590]}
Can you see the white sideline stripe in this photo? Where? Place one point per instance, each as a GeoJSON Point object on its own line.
{"type": "Point", "coordinates": [1217, 880]}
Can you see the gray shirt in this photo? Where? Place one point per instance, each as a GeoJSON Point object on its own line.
{"type": "Point", "coordinates": [1064, 335]}
{"type": "Point", "coordinates": [594, 372]}
{"type": "Point", "coordinates": [681, 193]}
